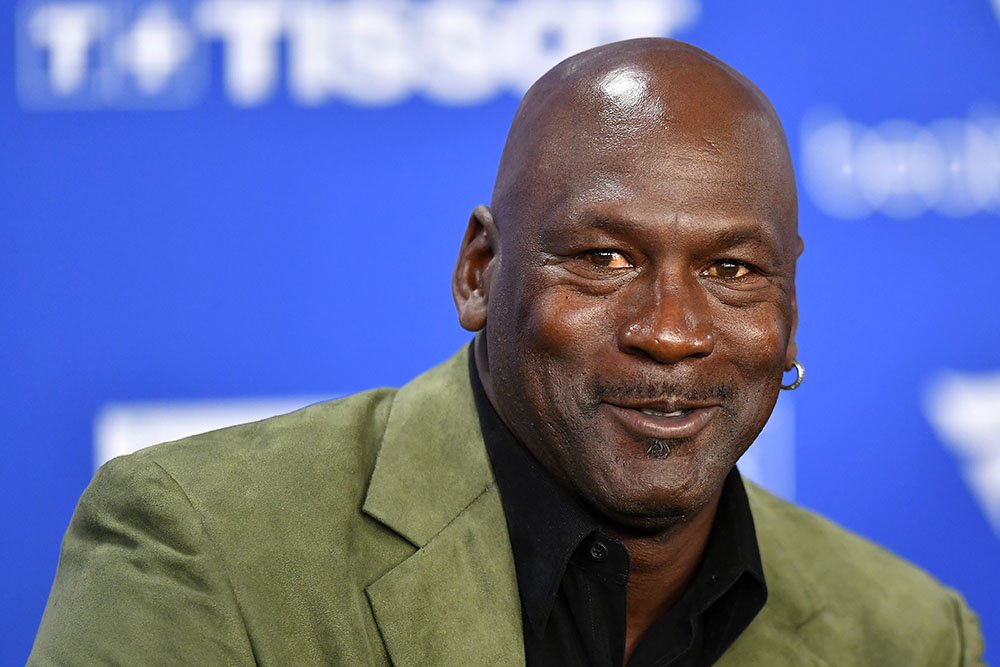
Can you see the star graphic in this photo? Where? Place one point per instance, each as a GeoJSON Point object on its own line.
{"type": "Point", "coordinates": [155, 48]}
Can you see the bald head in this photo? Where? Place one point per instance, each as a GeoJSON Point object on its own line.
{"type": "Point", "coordinates": [649, 97]}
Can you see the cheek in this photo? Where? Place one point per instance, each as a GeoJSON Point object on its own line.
{"type": "Point", "coordinates": [756, 340]}
{"type": "Point", "coordinates": [564, 339]}
{"type": "Point", "coordinates": [565, 325]}
{"type": "Point", "coordinates": [754, 345]}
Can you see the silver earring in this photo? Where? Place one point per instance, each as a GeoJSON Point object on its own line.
{"type": "Point", "coordinates": [800, 374]}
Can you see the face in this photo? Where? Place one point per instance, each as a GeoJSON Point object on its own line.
{"type": "Point", "coordinates": [639, 312]}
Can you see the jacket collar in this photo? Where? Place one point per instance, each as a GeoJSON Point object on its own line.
{"type": "Point", "coordinates": [432, 463]}
{"type": "Point", "coordinates": [455, 600]}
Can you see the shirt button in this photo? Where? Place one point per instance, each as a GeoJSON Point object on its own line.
{"type": "Point", "coordinates": [598, 551]}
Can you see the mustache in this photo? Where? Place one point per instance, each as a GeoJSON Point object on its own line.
{"type": "Point", "coordinates": [641, 390]}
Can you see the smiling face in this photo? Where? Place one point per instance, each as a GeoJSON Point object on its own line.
{"type": "Point", "coordinates": [636, 279]}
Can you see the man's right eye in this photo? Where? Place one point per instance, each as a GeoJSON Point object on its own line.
{"type": "Point", "coordinates": [608, 259]}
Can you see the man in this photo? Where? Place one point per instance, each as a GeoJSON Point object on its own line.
{"type": "Point", "coordinates": [566, 493]}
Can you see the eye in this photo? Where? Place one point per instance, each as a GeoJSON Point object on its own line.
{"type": "Point", "coordinates": [608, 259]}
{"type": "Point", "coordinates": [728, 269]}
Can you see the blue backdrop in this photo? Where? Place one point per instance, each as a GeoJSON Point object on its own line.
{"type": "Point", "coordinates": [215, 208]}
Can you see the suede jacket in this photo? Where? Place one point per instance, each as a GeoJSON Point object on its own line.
{"type": "Point", "coordinates": [369, 531]}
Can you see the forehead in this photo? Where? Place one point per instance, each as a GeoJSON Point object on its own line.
{"type": "Point", "coordinates": [656, 132]}
{"type": "Point", "coordinates": [736, 176]}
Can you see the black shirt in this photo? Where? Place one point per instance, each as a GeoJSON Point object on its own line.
{"type": "Point", "coordinates": [572, 575]}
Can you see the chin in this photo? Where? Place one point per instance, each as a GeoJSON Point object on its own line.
{"type": "Point", "coordinates": [653, 510]}
{"type": "Point", "coordinates": [653, 494]}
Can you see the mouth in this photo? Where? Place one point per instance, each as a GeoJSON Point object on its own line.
{"type": "Point", "coordinates": [667, 420]}
{"type": "Point", "coordinates": [652, 412]}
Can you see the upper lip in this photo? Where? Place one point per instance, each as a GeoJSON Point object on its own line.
{"type": "Point", "coordinates": [665, 404]}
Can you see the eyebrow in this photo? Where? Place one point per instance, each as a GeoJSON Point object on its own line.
{"type": "Point", "coordinates": [743, 236]}
{"type": "Point", "coordinates": [752, 235]}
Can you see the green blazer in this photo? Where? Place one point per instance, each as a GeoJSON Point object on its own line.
{"type": "Point", "coordinates": [369, 531]}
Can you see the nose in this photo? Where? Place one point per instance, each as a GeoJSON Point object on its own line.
{"type": "Point", "coordinates": [668, 321]}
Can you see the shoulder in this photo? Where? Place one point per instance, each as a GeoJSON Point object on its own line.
{"type": "Point", "coordinates": [294, 478]}
{"type": "Point", "coordinates": [312, 467]}
{"type": "Point", "coordinates": [850, 592]}
{"type": "Point", "coordinates": [326, 441]}
{"type": "Point", "coordinates": [189, 547]}
{"type": "Point", "coordinates": [821, 548]}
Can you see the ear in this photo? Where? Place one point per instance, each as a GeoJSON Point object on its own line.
{"type": "Point", "coordinates": [792, 350]}
{"type": "Point", "coordinates": [470, 286]}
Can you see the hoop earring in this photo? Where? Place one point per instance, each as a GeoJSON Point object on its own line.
{"type": "Point", "coordinates": [800, 374]}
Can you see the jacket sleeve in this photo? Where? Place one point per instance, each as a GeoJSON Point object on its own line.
{"type": "Point", "coordinates": [139, 581]}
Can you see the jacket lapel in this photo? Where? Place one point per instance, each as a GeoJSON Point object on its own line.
{"type": "Point", "coordinates": [455, 600]}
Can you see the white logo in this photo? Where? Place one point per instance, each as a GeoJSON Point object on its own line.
{"type": "Point", "coordinates": [122, 428]}
{"type": "Point", "coordinates": [965, 410]}
{"type": "Point", "coordinates": [900, 168]}
{"type": "Point", "coordinates": [120, 54]}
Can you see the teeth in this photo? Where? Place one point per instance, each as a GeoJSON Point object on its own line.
{"type": "Point", "coordinates": [657, 413]}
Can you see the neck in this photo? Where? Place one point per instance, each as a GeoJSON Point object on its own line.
{"type": "Point", "coordinates": [663, 565]}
